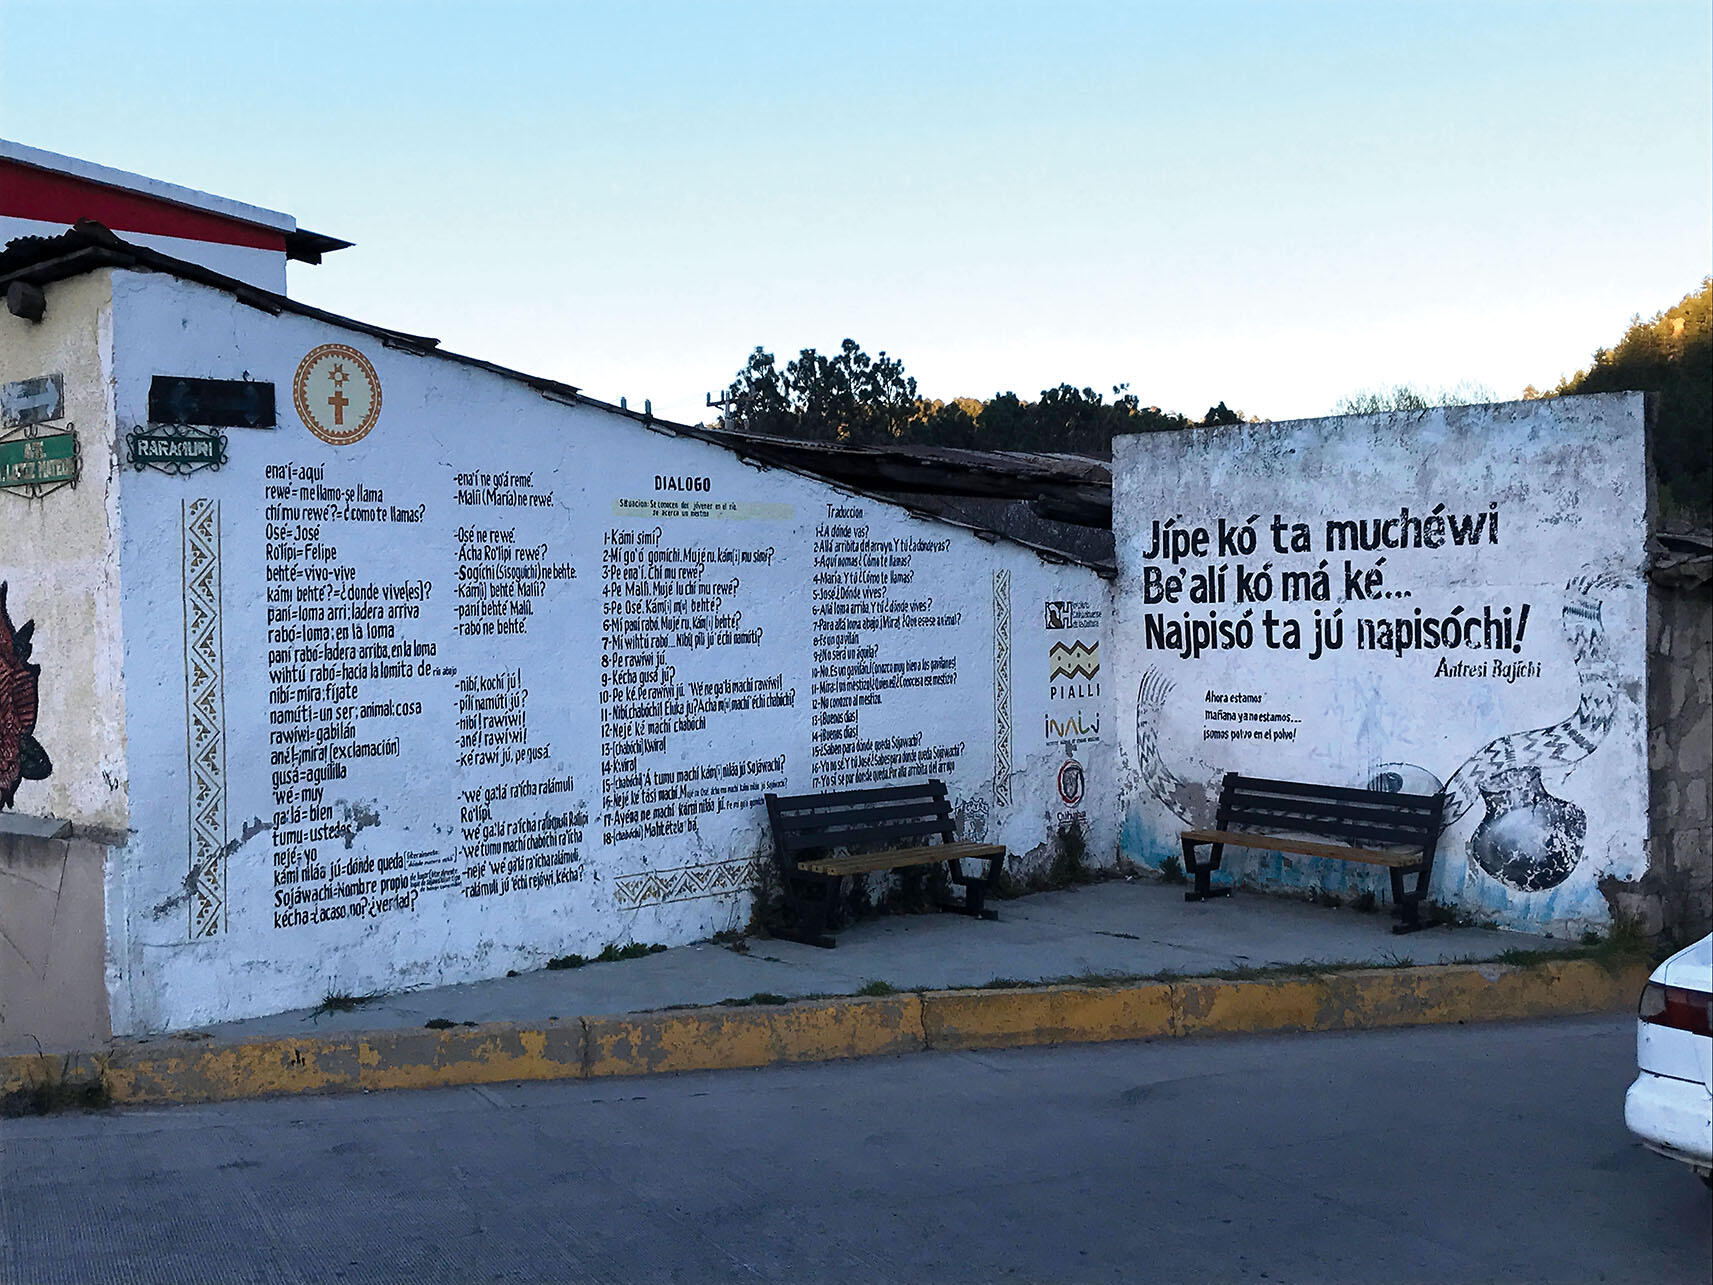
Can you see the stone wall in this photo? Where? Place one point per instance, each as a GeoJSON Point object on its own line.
{"type": "Point", "coordinates": [1673, 901]}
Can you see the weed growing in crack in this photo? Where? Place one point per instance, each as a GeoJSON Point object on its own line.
{"type": "Point", "coordinates": [59, 1091]}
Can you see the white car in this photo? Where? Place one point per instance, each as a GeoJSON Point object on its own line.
{"type": "Point", "coordinates": [1670, 1106]}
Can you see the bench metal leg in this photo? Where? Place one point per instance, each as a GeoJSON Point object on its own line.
{"type": "Point", "coordinates": [1202, 869]}
{"type": "Point", "coordinates": [1407, 904]}
{"type": "Point", "coordinates": [812, 912]}
{"type": "Point", "coordinates": [975, 888]}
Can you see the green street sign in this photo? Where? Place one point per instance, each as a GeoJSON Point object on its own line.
{"type": "Point", "coordinates": [31, 463]}
{"type": "Point", "coordinates": [178, 451]}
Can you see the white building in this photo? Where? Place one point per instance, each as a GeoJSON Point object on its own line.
{"type": "Point", "coordinates": [360, 666]}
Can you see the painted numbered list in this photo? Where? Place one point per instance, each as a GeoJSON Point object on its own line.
{"type": "Point", "coordinates": [880, 646]}
{"type": "Point", "coordinates": [683, 665]}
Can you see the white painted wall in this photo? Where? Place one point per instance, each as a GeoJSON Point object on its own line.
{"type": "Point", "coordinates": [405, 887]}
{"type": "Point", "coordinates": [1559, 490]}
{"type": "Point", "coordinates": [59, 560]}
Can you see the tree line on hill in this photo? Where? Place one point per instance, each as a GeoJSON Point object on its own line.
{"type": "Point", "coordinates": [852, 398]}
{"type": "Point", "coordinates": [1669, 354]}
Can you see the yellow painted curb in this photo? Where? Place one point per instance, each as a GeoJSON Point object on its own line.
{"type": "Point", "coordinates": [1367, 999]}
{"type": "Point", "coordinates": [710, 1039]}
{"type": "Point", "coordinates": [986, 1019]}
{"type": "Point", "coordinates": [722, 1038]}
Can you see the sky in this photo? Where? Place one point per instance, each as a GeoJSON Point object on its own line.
{"type": "Point", "coordinates": [1274, 205]}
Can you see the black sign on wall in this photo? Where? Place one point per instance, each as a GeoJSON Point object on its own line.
{"type": "Point", "coordinates": [211, 403]}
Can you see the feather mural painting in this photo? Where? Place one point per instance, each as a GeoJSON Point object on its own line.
{"type": "Point", "coordinates": [21, 755]}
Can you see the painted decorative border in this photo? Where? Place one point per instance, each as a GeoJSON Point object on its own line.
{"type": "Point", "coordinates": [1002, 689]}
{"type": "Point", "coordinates": [686, 883]}
{"type": "Point", "coordinates": [205, 716]}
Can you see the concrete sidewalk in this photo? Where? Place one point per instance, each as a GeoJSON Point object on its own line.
{"type": "Point", "coordinates": [1113, 960]}
{"type": "Point", "coordinates": [1128, 929]}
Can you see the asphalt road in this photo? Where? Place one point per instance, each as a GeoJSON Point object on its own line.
{"type": "Point", "coordinates": [1438, 1154]}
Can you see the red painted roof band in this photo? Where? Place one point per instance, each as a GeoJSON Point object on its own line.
{"type": "Point", "coordinates": [30, 193]}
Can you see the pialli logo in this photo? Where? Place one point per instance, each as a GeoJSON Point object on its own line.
{"type": "Point", "coordinates": [1075, 660]}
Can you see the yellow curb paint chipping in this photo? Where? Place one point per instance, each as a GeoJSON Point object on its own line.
{"type": "Point", "coordinates": [722, 1038]}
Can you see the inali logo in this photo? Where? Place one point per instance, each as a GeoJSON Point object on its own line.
{"type": "Point", "coordinates": [1074, 728]}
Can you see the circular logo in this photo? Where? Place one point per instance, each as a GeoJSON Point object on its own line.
{"type": "Point", "coordinates": [1071, 783]}
{"type": "Point", "coordinates": [337, 393]}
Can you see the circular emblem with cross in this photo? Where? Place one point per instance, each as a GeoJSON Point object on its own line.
{"type": "Point", "coordinates": [337, 393]}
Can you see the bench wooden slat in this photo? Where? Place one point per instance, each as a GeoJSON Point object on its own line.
{"type": "Point", "coordinates": [1306, 789]}
{"type": "Point", "coordinates": [1352, 831]}
{"type": "Point", "coordinates": [1334, 808]}
{"type": "Point", "coordinates": [900, 858]}
{"type": "Point", "coordinates": [802, 823]}
{"type": "Point", "coordinates": [1307, 847]}
{"type": "Point", "coordinates": [885, 833]}
{"type": "Point", "coordinates": [842, 798]}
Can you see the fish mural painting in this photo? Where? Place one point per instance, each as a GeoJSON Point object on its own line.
{"type": "Point", "coordinates": [22, 757]}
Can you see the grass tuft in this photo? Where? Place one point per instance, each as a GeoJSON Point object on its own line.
{"type": "Point", "coordinates": [58, 1092]}
{"type": "Point", "coordinates": [343, 1002]}
{"type": "Point", "coordinates": [610, 955]}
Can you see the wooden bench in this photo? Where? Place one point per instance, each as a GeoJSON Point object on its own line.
{"type": "Point", "coordinates": [821, 838]}
{"type": "Point", "coordinates": [1374, 827]}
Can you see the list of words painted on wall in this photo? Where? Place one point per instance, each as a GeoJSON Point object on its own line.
{"type": "Point", "coordinates": [520, 824]}
{"type": "Point", "coordinates": [352, 664]}
{"type": "Point", "coordinates": [681, 669]}
{"type": "Point", "coordinates": [879, 646]}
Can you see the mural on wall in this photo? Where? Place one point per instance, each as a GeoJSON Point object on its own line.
{"type": "Point", "coordinates": [22, 757]}
{"type": "Point", "coordinates": [1074, 700]}
{"type": "Point", "coordinates": [1306, 642]}
{"type": "Point", "coordinates": [1529, 839]}
{"type": "Point", "coordinates": [496, 676]}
